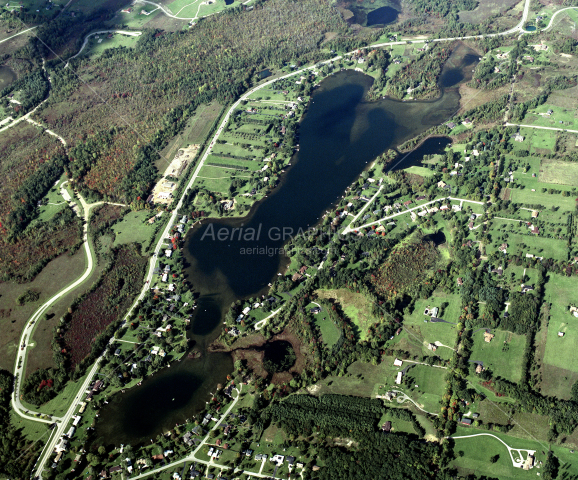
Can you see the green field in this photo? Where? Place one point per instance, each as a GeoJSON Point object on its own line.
{"type": "Point", "coordinates": [31, 429]}
{"type": "Point", "coordinates": [430, 387]}
{"type": "Point", "coordinates": [97, 44]}
{"type": "Point", "coordinates": [477, 452]}
{"type": "Point", "coordinates": [330, 332]}
{"type": "Point", "coordinates": [133, 228]}
{"type": "Point", "coordinates": [566, 116]}
{"type": "Point", "coordinates": [425, 332]}
{"type": "Point", "coordinates": [422, 171]}
{"type": "Point", "coordinates": [516, 234]}
{"type": "Point", "coordinates": [503, 355]}
{"type": "Point", "coordinates": [558, 172]}
{"type": "Point", "coordinates": [561, 352]}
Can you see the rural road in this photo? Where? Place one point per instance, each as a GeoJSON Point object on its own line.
{"type": "Point", "coordinates": [16, 34]}
{"type": "Point", "coordinates": [102, 32]}
{"type": "Point", "coordinates": [541, 128]}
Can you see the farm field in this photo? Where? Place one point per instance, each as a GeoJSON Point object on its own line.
{"type": "Point", "coordinates": [561, 352]}
{"type": "Point", "coordinates": [503, 355]}
{"type": "Point", "coordinates": [566, 204]}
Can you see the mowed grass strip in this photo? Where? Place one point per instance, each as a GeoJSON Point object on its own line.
{"type": "Point", "coordinates": [503, 354]}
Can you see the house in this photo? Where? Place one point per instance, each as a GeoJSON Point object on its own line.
{"type": "Point", "coordinates": [535, 213]}
{"type": "Point", "coordinates": [117, 352]}
{"type": "Point", "coordinates": [398, 378]}
{"type": "Point", "coordinates": [475, 415]}
{"type": "Point", "coordinates": [441, 184]}
{"type": "Point", "coordinates": [527, 288]}
{"type": "Point", "coordinates": [116, 468]}
{"type": "Point", "coordinates": [168, 253]}
{"type": "Point", "coordinates": [479, 368]}
{"type": "Point", "coordinates": [460, 281]}
{"type": "Point", "coordinates": [466, 421]}
{"type": "Point", "coordinates": [409, 202]}
{"type": "Point", "coordinates": [386, 427]}
{"type": "Point", "coordinates": [432, 346]}
{"type": "Point", "coordinates": [535, 230]}
{"type": "Point", "coordinates": [62, 445]}
{"type": "Point", "coordinates": [302, 270]}
{"type": "Point", "coordinates": [398, 331]}
{"type": "Point", "coordinates": [315, 310]}
{"type": "Point", "coordinates": [291, 460]}
{"type": "Point", "coordinates": [529, 463]}
{"type": "Point", "coordinates": [488, 336]}
{"type": "Point", "coordinates": [561, 334]}
{"type": "Point", "coordinates": [549, 112]}
{"type": "Point", "coordinates": [503, 247]}
{"type": "Point", "coordinates": [397, 362]}
{"type": "Point", "coordinates": [574, 310]}
{"type": "Point", "coordinates": [296, 277]}
{"type": "Point", "coordinates": [451, 125]}
{"type": "Point", "coordinates": [278, 459]}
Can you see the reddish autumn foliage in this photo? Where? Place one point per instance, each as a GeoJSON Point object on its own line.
{"type": "Point", "coordinates": [105, 303]}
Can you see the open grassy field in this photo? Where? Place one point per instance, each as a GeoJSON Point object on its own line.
{"type": "Point", "coordinates": [559, 118]}
{"type": "Point", "coordinates": [559, 172]}
{"type": "Point", "coordinates": [561, 352]}
{"type": "Point", "coordinates": [355, 306]}
{"type": "Point", "coordinates": [485, 9]}
{"type": "Point", "coordinates": [503, 355]}
{"type": "Point", "coordinates": [514, 233]}
{"type": "Point", "coordinates": [330, 332]}
{"type": "Point", "coordinates": [133, 228]}
{"type": "Point", "coordinates": [479, 450]}
{"type": "Point", "coordinates": [31, 429]}
{"type": "Point", "coordinates": [97, 44]}
{"type": "Point", "coordinates": [427, 386]}
{"type": "Point", "coordinates": [55, 276]}
{"type": "Point", "coordinates": [420, 330]}
{"type": "Point", "coordinates": [566, 204]}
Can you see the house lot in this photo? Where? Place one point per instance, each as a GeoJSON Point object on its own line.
{"type": "Point", "coordinates": [502, 354]}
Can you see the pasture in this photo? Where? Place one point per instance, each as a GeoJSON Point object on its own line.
{"type": "Point", "coordinates": [559, 172]}
{"type": "Point", "coordinates": [503, 355]}
{"type": "Point", "coordinates": [427, 385]}
{"type": "Point", "coordinates": [133, 228]}
{"type": "Point", "coordinates": [330, 332]}
{"type": "Point", "coordinates": [97, 44]}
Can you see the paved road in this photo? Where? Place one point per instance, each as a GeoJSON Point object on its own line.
{"type": "Point", "coordinates": [551, 24]}
{"type": "Point", "coordinates": [349, 229]}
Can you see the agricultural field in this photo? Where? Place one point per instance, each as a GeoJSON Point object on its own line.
{"type": "Point", "coordinates": [503, 355]}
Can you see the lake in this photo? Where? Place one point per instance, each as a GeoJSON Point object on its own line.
{"type": "Point", "coordinates": [339, 136]}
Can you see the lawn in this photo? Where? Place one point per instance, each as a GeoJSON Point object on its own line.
{"type": "Point", "coordinates": [503, 355]}
{"type": "Point", "coordinates": [97, 44]}
{"type": "Point", "coordinates": [560, 118]}
{"type": "Point", "coordinates": [420, 324]}
{"type": "Point", "coordinates": [31, 429]}
{"type": "Point", "coordinates": [422, 171]}
{"type": "Point", "coordinates": [561, 292]}
{"type": "Point", "coordinates": [507, 231]}
{"type": "Point", "coordinates": [330, 332]}
{"type": "Point", "coordinates": [427, 386]}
